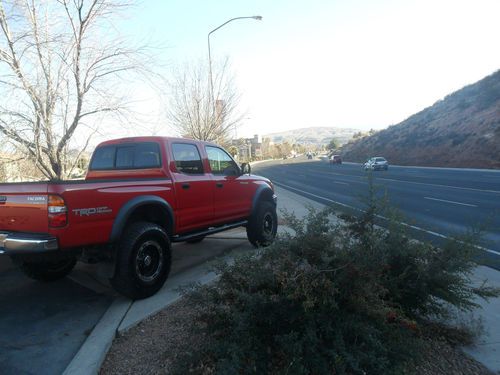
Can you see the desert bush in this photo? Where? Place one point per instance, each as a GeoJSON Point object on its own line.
{"type": "Point", "coordinates": [342, 299]}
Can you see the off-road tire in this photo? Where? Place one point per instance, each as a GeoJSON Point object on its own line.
{"type": "Point", "coordinates": [143, 260]}
{"type": "Point", "coordinates": [263, 225]}
{"type": "Point", "coordinates": [48, 271]}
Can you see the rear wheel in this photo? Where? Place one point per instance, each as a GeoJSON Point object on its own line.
{"type": "Point", "coordinates": [48, 271]}
{"type": "Point", "coordinates": [143, 261]}
{"type": "Point", "coordinates": [263, 225]}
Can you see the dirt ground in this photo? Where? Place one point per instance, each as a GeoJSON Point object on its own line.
{"type": "Point", "coordinates": [153, 346]}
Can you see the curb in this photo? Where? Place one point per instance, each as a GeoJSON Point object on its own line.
{"type": "Point", "coordinates": [89, 358]}
{"type": "Point", "coordinates": [143, 309]}
{"type": "Point", "coordinates": [124, 314]}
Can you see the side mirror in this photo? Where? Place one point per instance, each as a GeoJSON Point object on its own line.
{"type": "Point", "coordinates": [245, 168]}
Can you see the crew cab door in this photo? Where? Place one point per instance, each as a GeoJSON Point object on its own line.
{"type": "Point", "coordinates": [232, 192]}
{"type": "Point", "coordinates": [193, 188]}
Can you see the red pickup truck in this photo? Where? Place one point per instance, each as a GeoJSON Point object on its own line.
{"type": "Point", "coordinates": [139, 195]}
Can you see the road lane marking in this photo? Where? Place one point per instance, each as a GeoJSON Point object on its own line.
{"type": "Point", "coordinates": [446, 186]}
{"type": "Point", "coordinates": [381, 217]}
{"type": "Point", "coordinates": [413, 182]}
{"type": "Point", "coordinates": [340, 183]}
{"type": "Point", "coordinates": [453, 202]}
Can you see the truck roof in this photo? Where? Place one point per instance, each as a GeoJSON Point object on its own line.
{"type": "Point", "coordinates": [151, 139]}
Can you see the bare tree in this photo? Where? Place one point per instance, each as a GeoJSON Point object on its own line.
{"type": "Point", "coordinates": [194, 113]}
{"type": "Point", "coordinates": [58, 69]}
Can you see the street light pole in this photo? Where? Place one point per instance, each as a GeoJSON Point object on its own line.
{"type": "Point", "coordinates": [258, 18]}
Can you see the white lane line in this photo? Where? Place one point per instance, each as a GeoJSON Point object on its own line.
{"type": "Point", "coordinates": [446, 186]}
{"type": "Point", "coordinates": [380, 216]}
{"type": "Point", "coordinates": [414, 182]}
{"type": "Point", "coordinates": [340, 183]}
{"type": "Point", "coordinates": [452, 202]}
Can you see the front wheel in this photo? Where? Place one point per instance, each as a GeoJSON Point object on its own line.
{"type": "Point", "coordinates": [143, 261]}
{"type": "Point", "coordinates": [263, 225]}
{"type": "Point", "coordinates": [48, 271]}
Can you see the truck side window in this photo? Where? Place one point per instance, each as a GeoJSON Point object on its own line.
{"type": "Point", "coordinates": [221, 162]}
{"type": "Point", "coordinates": [187, 158]}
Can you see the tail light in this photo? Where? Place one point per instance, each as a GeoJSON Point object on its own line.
{"type": "Point", "coordinates": [58, 213]}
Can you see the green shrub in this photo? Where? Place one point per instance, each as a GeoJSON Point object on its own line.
{"type": "Point", "coordinates": [341, 299]}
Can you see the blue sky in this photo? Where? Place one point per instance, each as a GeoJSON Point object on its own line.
{"type": "Point", "coordinates": [359, 63]}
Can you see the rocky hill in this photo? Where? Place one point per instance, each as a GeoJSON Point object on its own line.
{"type": "Point", "coordinates": [313, 135]}
{"type": "Point", "coordinates": [462, 130]}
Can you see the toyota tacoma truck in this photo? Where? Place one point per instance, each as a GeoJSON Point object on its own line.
{"type": "Point", "coordinates": [139, 195]}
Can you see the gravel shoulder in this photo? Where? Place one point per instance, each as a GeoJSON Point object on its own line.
{"type": "Point", "coordinates": [153, 346]}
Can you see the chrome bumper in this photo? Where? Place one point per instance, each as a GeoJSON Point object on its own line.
{"type": "Point", "coordinates": [23, 243]}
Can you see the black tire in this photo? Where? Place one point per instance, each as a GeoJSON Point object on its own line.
{"type": "Point", "coordinates": [143, 260]}
{"type": "Point", "coordinates": [263, 225]}
{"type": "Point", "coordinates": [196, 239]}
{"type": "Point", "coordinates": [48, 271]}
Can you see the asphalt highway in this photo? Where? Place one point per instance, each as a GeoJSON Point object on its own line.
{"type": "Point", "coordinates": [436, 203]}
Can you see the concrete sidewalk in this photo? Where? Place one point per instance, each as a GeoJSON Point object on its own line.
{"type": "Point", "coordinates": [124, 314]}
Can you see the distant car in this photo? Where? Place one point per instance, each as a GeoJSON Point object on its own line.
{"type": "Point", "coordinates": [335, 159]}
{"type": "Point", "coordinates": [376, 163]}
{"type": "Point", "coordinates": [309, 155]}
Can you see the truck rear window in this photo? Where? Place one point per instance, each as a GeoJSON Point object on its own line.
{"type": "Point", "coordinates": [127, 156]}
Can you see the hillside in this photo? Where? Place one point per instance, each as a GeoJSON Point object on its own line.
{"type": "Point", "coordinates": [313, 135]}
{"type": "Point", "coordinates": [462, 130]}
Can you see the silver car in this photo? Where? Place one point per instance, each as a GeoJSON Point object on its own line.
{"type": "Point", "coordinates": [376, 163]}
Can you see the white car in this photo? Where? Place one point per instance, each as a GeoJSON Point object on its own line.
{"type": "Point", "coordinates": [376, 163]}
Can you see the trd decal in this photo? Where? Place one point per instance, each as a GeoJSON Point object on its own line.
{"type": "Point", "coordinates": [92, 211]}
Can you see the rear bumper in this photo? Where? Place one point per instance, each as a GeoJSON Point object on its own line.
{"type": "Point", "coordinates": [25, 243]}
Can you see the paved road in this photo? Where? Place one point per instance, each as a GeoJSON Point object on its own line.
{"type": "Point", "coordinates": [436, 201]}
{"type": "Point", "coordinates": [42, 325]}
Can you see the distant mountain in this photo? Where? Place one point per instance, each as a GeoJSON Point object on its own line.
{"type": "Point", "coordinates": [314, 135]}
{"type": "Point", "coordinates": [462, 130]}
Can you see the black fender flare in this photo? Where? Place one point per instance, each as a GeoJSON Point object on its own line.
{"type": "Point", "coordinates": [263, 192]}
{"type": "Point", "coordinates": [128, 208]}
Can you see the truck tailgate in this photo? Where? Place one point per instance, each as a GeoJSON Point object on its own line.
{"type": "Point", "coordinates": [23, 207]}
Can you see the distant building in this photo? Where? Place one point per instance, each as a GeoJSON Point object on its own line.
{"type": "Point", "coordinates": [248, 148]}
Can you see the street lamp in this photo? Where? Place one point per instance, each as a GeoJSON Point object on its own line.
{"type": "Point", "coordinates": [258, 18]}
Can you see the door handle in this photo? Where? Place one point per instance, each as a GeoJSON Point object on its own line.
{"type": "Point", "coordinates": [186, 186]}
{"type": "Point", "coordinates": [219, 184]}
